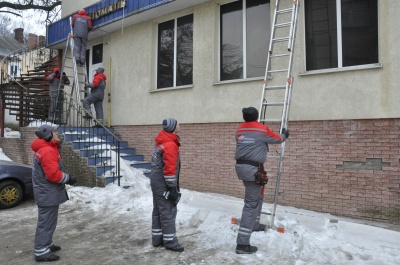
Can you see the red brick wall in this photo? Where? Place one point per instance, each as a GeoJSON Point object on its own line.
{"type": "Point", "coordinates": [19, 150]}
{"type": "Point", "coordinates": [312, 176]}
{"type": "Point", "coordinates": [315, 173]}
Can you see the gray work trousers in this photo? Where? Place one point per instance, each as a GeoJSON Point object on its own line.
{"type": "Point", "coordinates": [56, 105]}
{"type": "Point", "coordinates": [46, 225]}
{"type": "Point", "coordinates": [163, 222]}
{"type": "Point", "coordinates": [80, 49]}
{"type": "Point", "coordinates": [253, 200]}
{"type": "Point", "coordinates": [96, 98]}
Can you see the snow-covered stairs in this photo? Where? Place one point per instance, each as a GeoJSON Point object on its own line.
{"type": "Point", "coordinates": [100, 148]}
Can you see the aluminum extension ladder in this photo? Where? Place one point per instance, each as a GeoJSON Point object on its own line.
{"type": "Point", "coordinates": [278, 81]}
{"type": "Point", "coordinates": [79, 77]}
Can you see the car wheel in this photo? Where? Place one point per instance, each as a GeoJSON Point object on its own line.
{"type": "Point", "coordinates": [10, 194]}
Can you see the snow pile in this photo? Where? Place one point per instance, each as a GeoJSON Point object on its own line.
{"type": "Point", "coordinates": [309, 237]}
{"type": "Point", "coordinates": [204, 226]}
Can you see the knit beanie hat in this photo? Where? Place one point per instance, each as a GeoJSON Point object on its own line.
{"type": "Point", "coordinates": [250, 114]}
{"type": "Point", "coordinates": [100, 70]}
{"type": "Point", "coordinates": [45, 132]}
{"type": "Point", "coordinates": [169, 124]}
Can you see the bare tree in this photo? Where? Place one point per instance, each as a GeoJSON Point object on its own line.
{"type": "Point", "coordinates": [15, 7]}
{"type": "Point", "coordinates": [6, 26]}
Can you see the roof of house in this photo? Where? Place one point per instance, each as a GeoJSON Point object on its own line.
{"type": "Point", "coordinates": [8, 45]}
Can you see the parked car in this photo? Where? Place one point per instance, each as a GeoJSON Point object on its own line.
{"type": "Point", "coordinates": [15, 183]}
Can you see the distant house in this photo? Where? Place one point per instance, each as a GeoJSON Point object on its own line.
{"type": "Point", "coordinates": [10, 45]}
{"type": "Point", "coordinates": [18, 56]}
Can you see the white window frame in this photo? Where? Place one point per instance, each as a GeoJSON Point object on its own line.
{"type": "Point", "coordinates": [175, 54]}
{"type": "Point", "coordinates": [340, 47]}
{"type": "Point", "coordinates": [244, 28]}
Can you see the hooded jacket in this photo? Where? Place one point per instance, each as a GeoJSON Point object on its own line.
{"type": "Point", "coordinates": [81, 24]}
{"type": "Point", "coordinates": [165, 163]}
{"type": "Point", "coordinates": [99, 81]}
{"type": "Point", "coordinates": [54, 80]}
{"type": "Point", "coordinates": [252, 139]}
{"type": "Point", "coordinates": [48, 177]}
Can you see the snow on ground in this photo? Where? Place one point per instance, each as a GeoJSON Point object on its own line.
{"type": "Point", "coordinates": [204, 228]}
{"type": "Point", "coordinates": [309, 237]}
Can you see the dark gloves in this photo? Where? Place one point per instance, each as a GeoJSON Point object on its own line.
{"type": "Point", "coordinates": [72, 180]}
{"type": "Point", "coordinates": [64, 73]}
{"type": "Point", "coordinates": [285, 132]}
{"type": "Point", "coordinates": [172, 194]}
{"type": "Point", "coordinates": [57, 72]}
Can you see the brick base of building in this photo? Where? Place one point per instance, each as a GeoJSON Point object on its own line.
{"type": "Point", "coordinates": [347, 168]}
{"type": "Point", "coordinates": [19, 150]}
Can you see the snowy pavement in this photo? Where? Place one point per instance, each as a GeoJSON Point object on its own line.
{"type": "Point", "coordinates": [112, 225]}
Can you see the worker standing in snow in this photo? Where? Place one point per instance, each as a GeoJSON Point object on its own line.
{"type": "Point", "coordinates": [252, 139]}
{"type": "Point", "coordinates": [48, 179]}
{"type": "Point", "coordinates": [164, 181]}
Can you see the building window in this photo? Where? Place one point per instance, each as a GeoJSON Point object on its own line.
{"type": "Point", "coordinates": [341, 33]}
{"type": "Point", "coordinates": [175, 52]}
{"type": "Point", "coordinates": [97, 54]}
{"type": "Point", "coordinates": [244, 33]}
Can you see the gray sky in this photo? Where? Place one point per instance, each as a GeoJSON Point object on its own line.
{"type": "Point", "coordinates": [32, 21]}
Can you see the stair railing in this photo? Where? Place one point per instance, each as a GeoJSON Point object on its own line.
{"type": "Point", "coordinates": [99, 144]}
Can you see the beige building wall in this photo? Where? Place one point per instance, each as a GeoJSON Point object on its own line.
{"type": "Point", "coordinates": [351, 93]}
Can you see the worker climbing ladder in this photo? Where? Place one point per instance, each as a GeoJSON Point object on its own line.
{"type": "Point", "coordinates": [79, 77]}
{"type": "Point", "coordinates": [278, 81]}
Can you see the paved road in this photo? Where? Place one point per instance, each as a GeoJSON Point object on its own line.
{"type": "Point", "coordinates": [85, 239]}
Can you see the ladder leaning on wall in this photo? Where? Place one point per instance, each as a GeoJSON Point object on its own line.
{"type": "Point", "coordinates": [79, 77]}
{"type": "Point", "coordinates": [278, 81]}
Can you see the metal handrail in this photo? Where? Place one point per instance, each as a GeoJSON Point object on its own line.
{"type": "Point", "coordinates": [94, 148]}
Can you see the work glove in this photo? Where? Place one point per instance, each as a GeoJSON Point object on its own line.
{"type": "Point", "coordinates": [64, 73]}
{"type": "Point", "coordinates": [285, 132]}
{"type": "Point", "coordinates": [172, 194]}
{"type": "Point", "coordinates": [72, 180]}
{"type": "Point", "coordinates": [57, 72]}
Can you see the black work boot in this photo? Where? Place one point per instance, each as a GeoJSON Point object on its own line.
{"type": "Point", "coordinates": [245, 249]}
{"type": "Point", "coordinates": [177, 248]}
{"type": "Point", "coordinates": [50, 258]}
{"type": "Point", "coordinates": [158, 244]}
{"type": "Point", "coordinates": [55, 248]}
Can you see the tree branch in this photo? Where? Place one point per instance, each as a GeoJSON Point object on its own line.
{"type": "Point", "coordinates": [29, 6]}
{"type": "Point", "coordinates": [10, 13]}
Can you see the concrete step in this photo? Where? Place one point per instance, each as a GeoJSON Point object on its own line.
{"type": "Point", "coordinates": [91, 152]}
{"type": "Point", "coordinates": [87, 130]}
{"type": "Point", "coordinates": [70, 137]}
{"type": "Point", "coordinates": [95, 160]}
{"type": "Point", "coordinates": [133, 157]}
{"type": "Point", "coordinates": [86, 145]}
{"type": "Point", "coordinates": [141, 164]}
